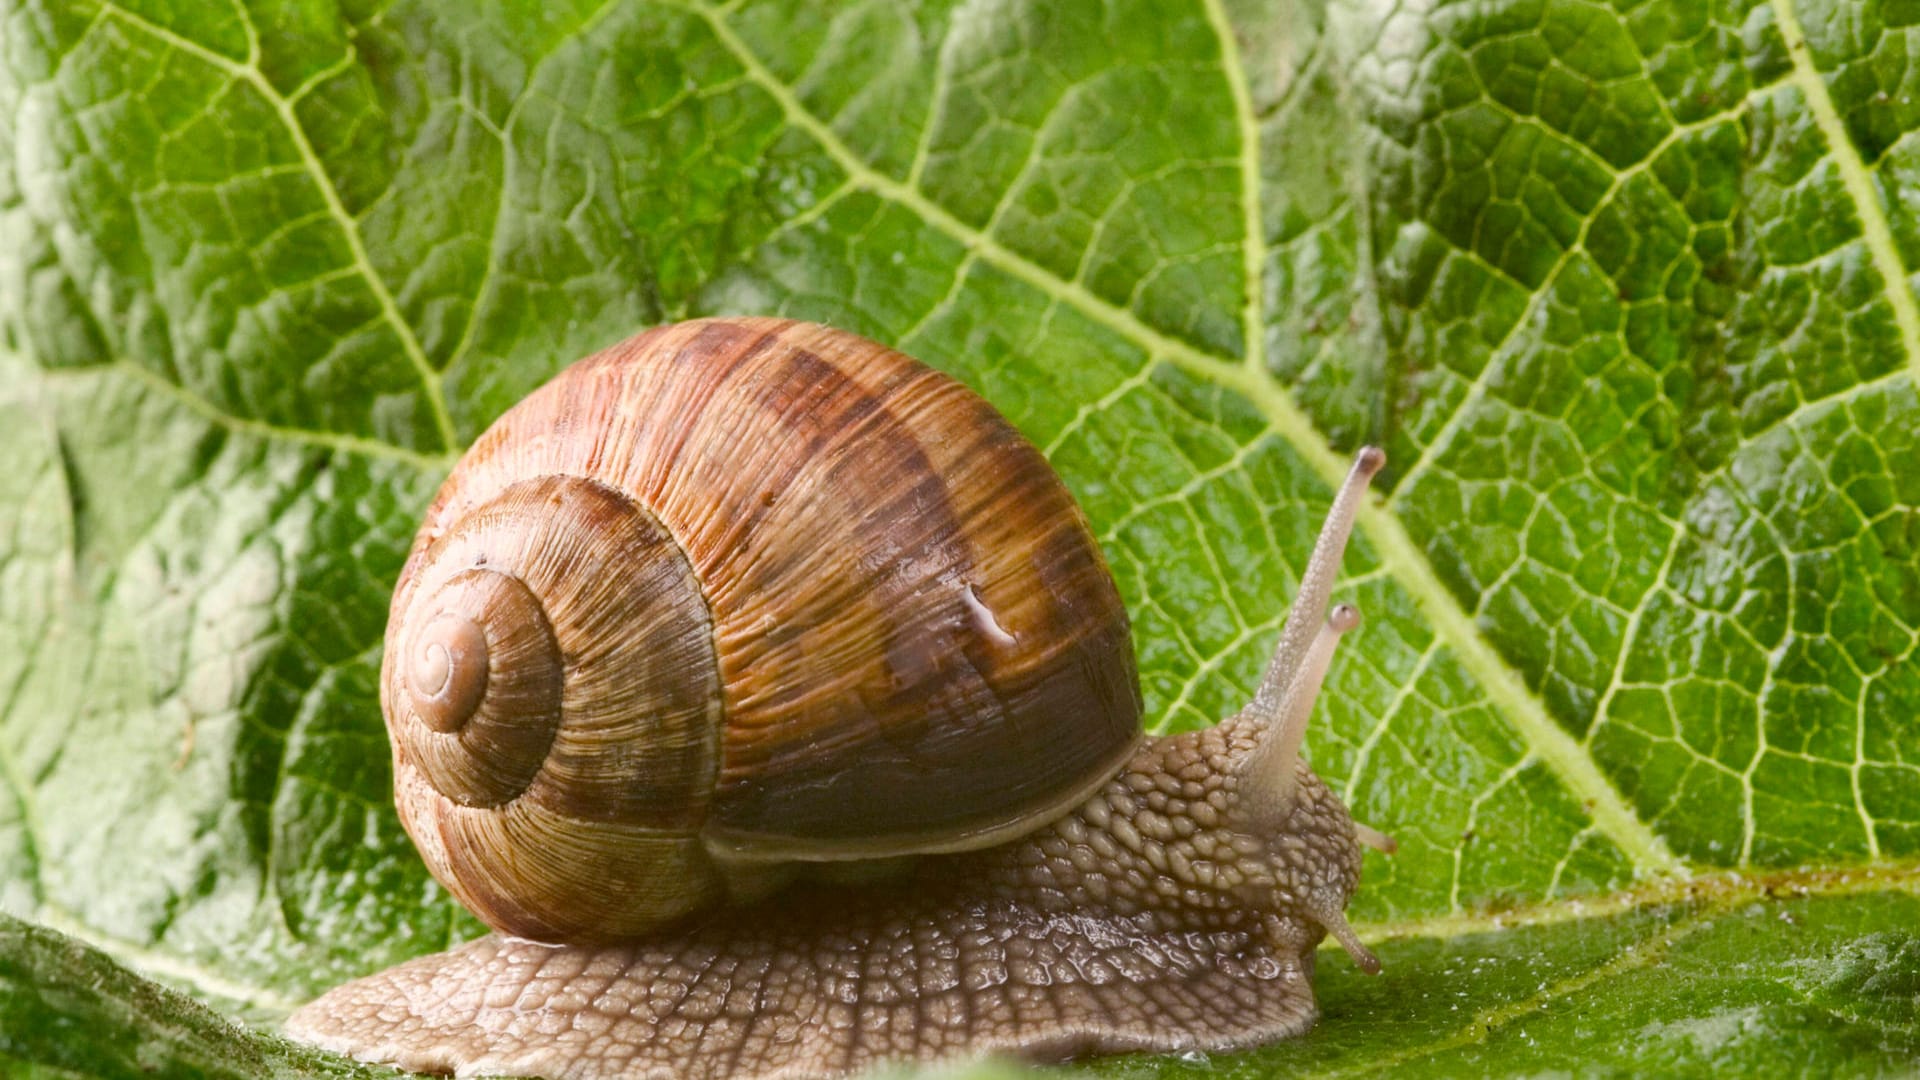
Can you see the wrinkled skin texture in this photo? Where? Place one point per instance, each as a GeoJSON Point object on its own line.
{"type": "Point", "coordinates": [1149, 918]}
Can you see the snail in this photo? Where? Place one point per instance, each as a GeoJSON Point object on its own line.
{"type": "Point", "coordinates": [768, 694]}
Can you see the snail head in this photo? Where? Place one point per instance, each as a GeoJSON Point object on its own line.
{"type": "Point", "coordinates": [1311, 842]}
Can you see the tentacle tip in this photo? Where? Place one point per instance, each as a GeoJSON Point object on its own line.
{"type": "Point", "coordinates": [1370, 460]}
{"type": "Point", "coordinates": [1366, 961]}
{"type": "Point", "coordinates": [1342, 618]}
{"type": "Point", "coordinates": [1336, 924]}
{"type": "Point", "coordinates": [1375, 839]}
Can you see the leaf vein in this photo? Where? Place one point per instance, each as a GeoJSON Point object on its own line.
{"type": "Point", "coordinates": [1644, 953]}
{"type": "Point", "coordinates": [1500, 354]}
{"type": "Point", "coordinates": [330, 195]}
{"type": "Point", "coordinates": [1857, 178]}
{"type": "Point", "coordinates": [1503, 685]}
{"type": "Point", "coordinates": [206, 410]}
{"type": "Point", "coordinates": [1253, 247]}
{"type": "Point", "coordinates": [164, 963]}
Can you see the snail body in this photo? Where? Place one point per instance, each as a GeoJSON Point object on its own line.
{"type": "Point", "coordinates": [740, 603]}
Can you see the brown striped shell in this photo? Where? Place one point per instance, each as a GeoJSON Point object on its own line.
{"type": "Point", "coordinates": [733, 595]}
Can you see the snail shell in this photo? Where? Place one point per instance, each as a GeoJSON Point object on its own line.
{"type": "Point", "coordinates": [732, 596]}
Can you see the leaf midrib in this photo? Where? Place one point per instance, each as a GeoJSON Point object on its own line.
{"type": "Point", "coordinates": [165, 964]}
{"type": "Point", "coordinates": [1857, 178]}
{"type": "Point", "coordinates": [1252, 223]}
{"type": "Point", "coordinates": [1481, 1025]}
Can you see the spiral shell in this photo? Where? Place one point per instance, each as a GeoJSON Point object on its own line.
{"type": "Point", "coordinates": [733, 595]}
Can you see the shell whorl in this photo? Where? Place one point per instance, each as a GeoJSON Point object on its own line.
{"type": "Point", "coordinates": [553, 702]}
{"type": "Point", "coordinates": [446, 670]}
{"type": "Point", "coordinates": [482, 674]}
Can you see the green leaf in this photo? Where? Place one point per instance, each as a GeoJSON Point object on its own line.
{"type": "Point", "coordinates": [1723, 980]}
{"type": "Point", "coordinates": [1626, 293]}
{"type": "Point", "coordinates": [67, 1010]}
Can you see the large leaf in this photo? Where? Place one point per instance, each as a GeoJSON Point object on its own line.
{"type": "Point", "coordinates": [1625, 294]}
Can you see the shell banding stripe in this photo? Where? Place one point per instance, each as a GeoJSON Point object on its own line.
{"type": "Point", "coordinates": [954, 640]}
{"type": "Point", "coordinates": [861, 683]}
{"type": "Point", "coordinates": [898, 583]}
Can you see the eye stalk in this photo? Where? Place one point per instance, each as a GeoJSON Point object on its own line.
{"type": "Point", "coordinates": [1316, 582]}
{"type": "Point", "coordinates": [1280, 709]}
{"type": "Point", "coordinates": [1269, 769]}
{"type": "Point", "coordinates": [1275, 722]}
